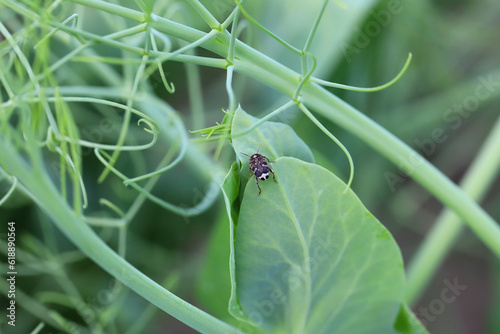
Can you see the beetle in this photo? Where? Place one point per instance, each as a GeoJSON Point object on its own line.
{"type": "Point", "coordinates": [259, 167]}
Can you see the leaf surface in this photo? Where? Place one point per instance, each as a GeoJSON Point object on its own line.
{"type": "Point", "coordinates": [311, 258]}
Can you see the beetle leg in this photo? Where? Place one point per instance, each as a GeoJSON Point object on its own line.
{"type": "Point", "coordinates": [257, 181]}
{"type": "Point", "coordinates": [274, 178]}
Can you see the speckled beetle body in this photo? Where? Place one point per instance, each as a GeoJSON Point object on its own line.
{"type": "Point", "coordinates": [260, 168]}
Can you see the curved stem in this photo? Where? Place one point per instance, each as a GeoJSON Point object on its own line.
{"type": "Point", "coordinates": [314, 28]}
{"type": "Point", "coordinates": [334, 109]}
{"type": "Point", "coordinates": [43, 192]}
{"type": "Point", "coordinates": [439, 241]}
{"type": "Point", "coordinates": [205, 14]}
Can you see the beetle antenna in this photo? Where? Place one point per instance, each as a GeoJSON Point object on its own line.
{"type": "Point", "coordinates": [245, 154]}
{"type": "Point", "coordinates": [258, 149]}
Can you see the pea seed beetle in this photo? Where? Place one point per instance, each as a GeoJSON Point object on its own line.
{"type": "Point", "coordinates": [259, 167]}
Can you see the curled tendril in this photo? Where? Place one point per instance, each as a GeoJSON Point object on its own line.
{"type": "Point", "coordinates": [368, 89]}
{"type": "Point", "coordinates": [203, 205]}
{"type": "Point", "coordinates": [151, 128]}
{"type": "Point", "coordinates": [86, 143]}
{"type": "Point", "coordinates": [184, 140]}
{"type": "Point", "coordinates": [332, 137]}
{"type": "Point", "coordinates": [113, 207]}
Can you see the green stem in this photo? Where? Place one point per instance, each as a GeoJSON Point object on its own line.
{"type": "Point", "coordinates": [314, 28]}
{"type": "Point", "coordinates": [439, 241]}
{"type": "Point", "coordinates": [42, 190]}
{"type": "Point", "coordinates": [195, 95]}
{"type": "Point", "coordinates": [402, 155]}
{"type": "Point", "coordinates": [205, 14]}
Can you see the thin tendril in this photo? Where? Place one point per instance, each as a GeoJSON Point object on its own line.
{"type": "Point", "coordinates": [332, 137]}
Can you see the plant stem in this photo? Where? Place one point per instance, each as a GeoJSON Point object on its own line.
{"type": "Point", "coordinates": [439, 241]}
{"type": "Point", "coordinates": [43, 192]}
{"type": "Point", "coordinates": [403, 156]}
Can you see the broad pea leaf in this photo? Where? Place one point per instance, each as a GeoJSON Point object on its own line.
{"type": "Point", "coordinates": [311, 259]}
{"type": "Point", "coordinates": [230, 188]}
{"type": "Point", "coordinates": [216, 287]}
{"type": "Point", "coordinates": [272, 139]}
{"type": "Point", "coordinates": [306, 256]}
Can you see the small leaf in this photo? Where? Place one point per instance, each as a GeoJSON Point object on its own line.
{"type": "Point", "coordinates": [311, 259]}
{"type": "Point", "coordinates": [219, 129]}
{"type": "Point", "coordinates": [274, 139]}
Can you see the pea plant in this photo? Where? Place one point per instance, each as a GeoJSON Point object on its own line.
{"type": "Point", "coordinates": [92, 134]}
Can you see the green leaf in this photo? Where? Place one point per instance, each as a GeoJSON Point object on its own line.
{"type": "Point", "coordinates": [408, 323]}
{"type": "Point", "coordinates": [311, 258]}
{"type": "Point", "coordinates": [274, 139]}
{"type": "Point", "coordinates": [307, 258]}
{"type": "Point", "coordinates": [230, 188]}
{"type": "Point", "coordinates": [213, 288]}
